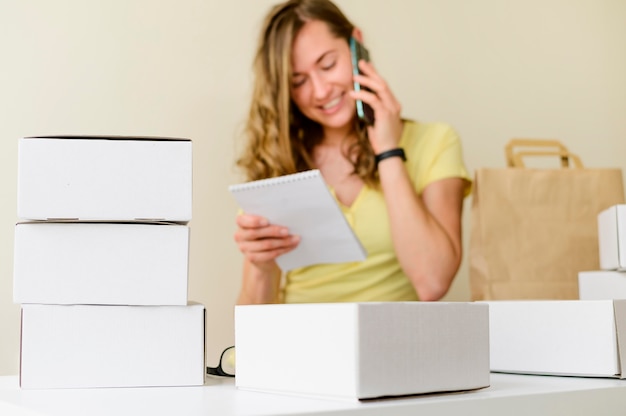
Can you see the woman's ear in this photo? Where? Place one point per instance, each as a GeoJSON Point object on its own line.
{"type": "Point", "coordinates": [357, 34]}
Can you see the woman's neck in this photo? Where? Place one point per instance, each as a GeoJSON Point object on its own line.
{"type": "Point", "coordinates": [336, 136]}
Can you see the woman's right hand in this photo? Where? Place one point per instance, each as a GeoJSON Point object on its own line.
{"type": "Point", "coordinates": [261, 242]}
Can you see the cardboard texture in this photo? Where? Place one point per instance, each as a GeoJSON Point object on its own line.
{"type": "Point", "coordinates": [101, 263]}
{"type": "Point", "coordinates": [612, 238]}
{"type": "Point", "coordinates": [602, 284]}
{"type": "Point", "coordinates": [104, 178]}
{"type": "Point", "coordinates": [567, 337]}
{"type": "Point", "coordinates": [534, 230]}
{"type": "Point", "coordinates": [362, 350]}
{"type": "Point", "coordinates": [111, 346]}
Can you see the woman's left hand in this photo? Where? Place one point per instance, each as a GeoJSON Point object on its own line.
{"type": "Point", "coordinates": [387, 129]}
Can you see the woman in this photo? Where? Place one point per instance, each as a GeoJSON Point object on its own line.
{"type": "Point", "coordinates": [407, 213]}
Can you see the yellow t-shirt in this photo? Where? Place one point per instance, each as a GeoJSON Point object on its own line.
{"type": "Point", "coordinates": [433, 153]}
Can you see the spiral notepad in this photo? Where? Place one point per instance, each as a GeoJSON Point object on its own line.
{"type": "Point", "coordinates": [303, 203]}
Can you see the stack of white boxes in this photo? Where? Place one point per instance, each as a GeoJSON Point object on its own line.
{"type": "Point", "coordinates": [610, 281]}
{"type": "Point", "coordinates": [101, 263]}
{"type": "Point", "coordinates": [582, 337]}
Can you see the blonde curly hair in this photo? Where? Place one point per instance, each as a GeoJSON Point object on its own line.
{"type": "Point", "coordinates": [280, 139]}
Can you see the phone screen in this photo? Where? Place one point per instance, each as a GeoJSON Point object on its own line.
{"type": "Point", "coordinates": [358, 51]}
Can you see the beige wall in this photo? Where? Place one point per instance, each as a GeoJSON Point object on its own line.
{"type": "Point", "coordinates": [493, 69]}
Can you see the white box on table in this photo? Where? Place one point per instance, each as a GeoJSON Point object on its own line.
{"type": "Point", "coordinates": [612, 238]}
{"type": "Point", "coordinates": [362, 350]}
{"type": "Point", "coordinates": [601, 285]}
{"type": "Point", "coordinates": [104, 178]}
{"type": "Point", "coordinates": [561, 337]}
{"type": "Point", "coordinates": [101, 263]}
{"type": "Point", "coordinates": [78, 346]}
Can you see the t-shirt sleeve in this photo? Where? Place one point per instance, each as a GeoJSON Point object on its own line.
{"type": "Point", "coordinates": [437, 154]}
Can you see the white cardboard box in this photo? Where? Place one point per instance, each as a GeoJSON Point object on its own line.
{"type": "Point", "coordinates": [612, 238]}
{"type": "Point", "coordinates": [566, 337]}
{"type": "Point", "coordinates": [104, 178]}
{"type": "Point", "coordinates": [101, 263]}
{"type": "Point", "coordinates": [362, 350]}
{"type": "Point", "coordinates": [79, 346]}
{"type": "Point", "coordinates": [602, 284]}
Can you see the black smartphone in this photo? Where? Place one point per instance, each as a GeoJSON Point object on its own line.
{"type": "Point", "coordinates": [358, 51]}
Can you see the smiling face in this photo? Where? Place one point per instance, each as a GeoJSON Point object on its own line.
{"type": "Point", "coordinates": [322, 77]}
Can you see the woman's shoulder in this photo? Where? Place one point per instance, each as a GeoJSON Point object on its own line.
{"type": "Point", "coordinates": [417, 134]}
{"type": "Point", "coordinates": [433, 152]}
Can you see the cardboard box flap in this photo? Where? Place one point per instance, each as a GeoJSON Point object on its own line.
{"type": "Point", "coordinates": [78, 346]}
{"type": "Point", "coordinates": [114, 179]}
{"type": "Point", "coordinates": [103, 137]}
{"type": "Point", "coordinates": [360, 351]}
{"type": "Point", "coordinates": [601, 285]}
{"type": "Point", "coordinates": [621, 236]}
{"type": "Point", "coordinates": [558, 337]}
{"type": "Point", "coordinates": [421, 344]}
{"type": "Point", "coordinates": [620, 327]}
{"type": "Point", "coordinates": [142, 221]}
{"type": "Point", "coordinates": [612, 238]}
{"type": "Point", "coordinates": [101, 263]}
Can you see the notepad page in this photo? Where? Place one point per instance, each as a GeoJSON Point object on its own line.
{"type": "Point", "coordinates": [303, 203]}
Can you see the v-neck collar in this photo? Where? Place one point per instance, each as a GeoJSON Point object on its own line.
{"type": "Point", "coordinates": [355, 203]}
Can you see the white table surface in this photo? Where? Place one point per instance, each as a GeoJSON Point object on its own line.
{"type": "Point", "coordinates": [508, 395]}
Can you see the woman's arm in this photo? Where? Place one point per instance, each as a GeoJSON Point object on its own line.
{"type": "Point", "coordinates": [259, 285]}
{"type": "Point", "coordinates": [426, 230]}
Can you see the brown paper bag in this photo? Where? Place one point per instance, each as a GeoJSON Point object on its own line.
{"type": "Point", "coordinates": [533, 230]}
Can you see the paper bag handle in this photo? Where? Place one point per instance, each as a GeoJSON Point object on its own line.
{"type": "Point", "coordinates": [514, 158]}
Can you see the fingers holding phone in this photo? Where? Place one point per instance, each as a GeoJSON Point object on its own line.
{"type": "Point", "coordinates": [375, 103]}
{"type": "Point", "coordinates": [371, 81]}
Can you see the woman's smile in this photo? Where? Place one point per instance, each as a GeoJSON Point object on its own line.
{"type": "Point", "coordinates": [333, 105]}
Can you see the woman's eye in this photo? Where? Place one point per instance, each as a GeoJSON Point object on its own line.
{"type": "Point", "coordinates": [328, 65]}
{"type": "Point", "coordinates": [298, 82]}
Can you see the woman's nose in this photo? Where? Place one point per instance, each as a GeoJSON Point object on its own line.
{"type": "Point", "coordinates": [321, 87]}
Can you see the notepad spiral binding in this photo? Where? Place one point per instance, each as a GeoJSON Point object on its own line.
{"type": "Point", "coordinates": [262, 183]}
